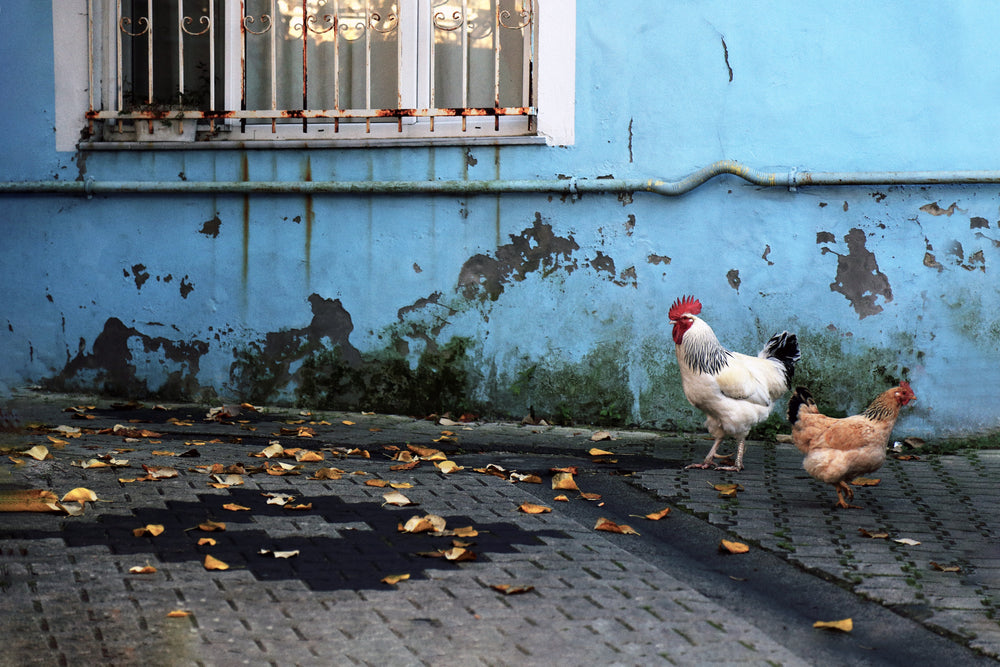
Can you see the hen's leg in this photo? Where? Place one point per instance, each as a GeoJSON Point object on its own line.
{"type": "Point", "coordinates": [841, 489]}
{"type": "Point", "coordinates": [709, 460]}
{"type": "Point", "coordinates": [739, 458]}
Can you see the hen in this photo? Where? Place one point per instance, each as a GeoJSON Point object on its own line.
{"type": "Point", "coordinates": [735, 391]}
{"type": "Point", "coordinates": [838, 450]}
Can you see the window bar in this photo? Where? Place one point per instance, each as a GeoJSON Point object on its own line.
{"type": "Point", "coordinates": [337, 28]}
{"type": "Point", "coordinates": [399, 70]}
{"type": "Point", "coordinates": [119, 28]}
{"type": "Point", "coordinates": [464, 28]}
{"type": "Point", "coordinates": [180, 53]}
{"type": "Point", "coordinates": [368, 64]}
{"type": "Point", "coordinates": [211, 61]}
{"type": "Point", "coordinates": [149, 59]}
{"type": "Point", "coordinates": [90, 64]}
{"type": "Point", "coordinates": [496, 65]}
{"type": "Point", "coordinates": [243, 62]}
{"type": "Point", "coordinates": [274, 66]}
{"type": "Point", "coordinates": [305, 64]}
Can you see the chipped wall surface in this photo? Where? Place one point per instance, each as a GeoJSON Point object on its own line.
{"type": "Point", "coordinates": [500, 304]}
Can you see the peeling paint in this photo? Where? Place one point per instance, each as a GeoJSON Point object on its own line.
{"type": "Point", "coordinates": [140, 275]}
{"type": "Point", "coordinates": [657, 259]}
{"type": "Point", "coordinates": [979, 223]}
{"type": "Point", "coordinates": [858, 276]}
{"type": "Point", "coordinates": [733, 276]}
{"type": "Point", "coordinates": [934, 209]}
{"type": "Point", "coordinates": [534, 249]}
{"type": "Point", "coordinates": [211, 227]}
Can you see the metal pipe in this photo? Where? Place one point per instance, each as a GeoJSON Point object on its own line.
{"type": "Point", "coordinates": [568, 186]}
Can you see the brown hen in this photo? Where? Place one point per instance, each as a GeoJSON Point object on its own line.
{"type": "Point", "coordinates": [838, 450]}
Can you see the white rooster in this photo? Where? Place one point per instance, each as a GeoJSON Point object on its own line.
{"type": "Point", "coordinates": [735, 391]}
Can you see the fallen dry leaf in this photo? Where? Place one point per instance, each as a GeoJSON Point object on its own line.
{"type": "Point", "coordinates": [328, 473]}
{"type": "Point", "coordinates": [376, 482]}
{"type": "Point", "coordinates": [727, 490]}
{"type": "Point", "coordinates": [152, 529]}
{"type": "Point", "coordinates": [511, 589]}
{"type": "Point", "coordinates": [563, 481]}
{"type": "Point", "coordinates": [865, 481]}
{"type": "Point", "coordinates": [178, 613]}
{"type": "Point", "coordinates": [561, 498]}
{"type": "Point", "coordinates": [527, 479]}
{"type": "Point", "coordinates": [79, 495]}
{"type": "Point", "coordinates": [213, 563]}
{"type": "Point", "coordinates": [611, 527]}
{"type": "Point", "coordinates": [601, 435]}
{"type": "Point", "coordinates": [308, 456]}
{"type": "Point", "coordinates": [396, 498]}
{"type": "Point", "coordinates": [279, 554]}
{"type": "Point", "coordinates": [945, 568]}
{"type": "Point", "coordinates": [278, 498]}
{"type": "Point", "coordinates": [233, 507]}
{"type": "Point", "coordinates": [907, 541]}
{"type": "Point", "coordinates": [154, 473]}
{"type": "Point", "coordinates": [212, 526]}
{"type": "Point", "coordinates": [656, 516]}
{"type": "Point", "coordinates": [878, 535]}
{"type": "Point", "coordinates": [28, 500]}
{"type": "Point", "coordinates": [590, 496]}
{"type": "Point", "coordinates": [727, 546]}
{"type": "Point", "coordinates": [594, 451]}
{"type": "Point", "coordinates": [394, 579]}
{"type": "Point", "coordinates": [532, 508]}
{"type": "Point", "coordinates": [142, 569]}
{"type": "Point", "coordinates": [38, 452]}
{"type": "Point", "coordinates": [448, 467]}
{"type": "Point", "coordinates": [845, 625]}
{"type": "Point", "coordinates": [206, 542]}
{"type": "Point", "coordinates": [424, 524]}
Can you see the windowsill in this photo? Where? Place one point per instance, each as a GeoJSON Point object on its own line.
{"type": "Point", "coordinates": [300, 144]}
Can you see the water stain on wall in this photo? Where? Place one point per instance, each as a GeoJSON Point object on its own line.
{"type": "Point", "coordinates": [110, 367]}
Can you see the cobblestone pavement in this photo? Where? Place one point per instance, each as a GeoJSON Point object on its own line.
{"type": "Point", "coordinates": [67, 595]}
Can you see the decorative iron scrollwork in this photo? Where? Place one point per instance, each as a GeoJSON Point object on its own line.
{"type": "Point", "coordinates": [525, 16]}
{"type": "Point", "coordinates": [250, 20]}
{"type": "Point", "coordinates": [142, 22]}
{"type": "Point", "coordinates": [204, 20]}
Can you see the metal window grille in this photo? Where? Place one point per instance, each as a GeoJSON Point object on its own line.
{"type": "Point", "coordinates": [230, 64]}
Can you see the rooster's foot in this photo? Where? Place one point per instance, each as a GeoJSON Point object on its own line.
{"type": "Point", "coordinates": [847, 506]}
{"type": "Point", "coordinates": [729, 468]}
{"type": "Point", "coordinates": [699, 466]}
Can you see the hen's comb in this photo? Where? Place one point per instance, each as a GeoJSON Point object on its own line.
{"type": "Point", "coordinates": [684, 305]}
{"type": "Point", "coordinates": [906, 385]}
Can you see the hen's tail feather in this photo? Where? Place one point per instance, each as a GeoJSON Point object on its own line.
{"type": "Point", "coordinates": [799, 397]}
{"type": "Point", "coordinates": [784, 347]}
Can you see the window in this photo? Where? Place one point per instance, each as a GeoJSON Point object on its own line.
{"type": "Point", "coordinates": [287, 71]}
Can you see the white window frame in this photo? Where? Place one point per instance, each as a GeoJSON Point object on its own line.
{"type": "Point", "coordinates": [554, 99]}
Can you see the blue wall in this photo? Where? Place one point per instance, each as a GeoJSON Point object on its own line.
{"type": "Point", "coordinates": [498, 303]}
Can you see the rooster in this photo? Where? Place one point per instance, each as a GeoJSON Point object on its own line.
{"type": "Point", "coordinates": [735, 391]}
{"type": "Point", "coordinates": [838, 450]}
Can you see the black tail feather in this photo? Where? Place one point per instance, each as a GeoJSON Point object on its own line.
{"type": "Point", "coordinates": [800, 397]}
{"type": "Point", "coordinates": [785, 348]}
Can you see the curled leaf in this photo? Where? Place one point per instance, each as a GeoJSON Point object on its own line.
{"type": "Point", "coordinates": [38, 452]}
{"type": "Point", "coordinates": [233, 507]}
{"type": "Point", "coordinates": [532, 508]}
{"type": "Point", "coordinates": [656, 516]}
{"type": "Point", "coordinates": [865, 481]}
{"type": "Point", "coordinates": [80, 495]}
{"type": "Point", "coordinates": [28, 500]}
{"type": "Point", "coordinates": [397, 499]}
{"type": "Point", "coordinates": [594, 451]}
{"type": "Point", "coordinates": [152, 529]}
{"type": "Point", "coordinates": [563, 481]}
{"type": "Point", "coordinates": [945, 568]}
{"type": "Point", "coordinates": [394, 579]}
{"type": "Point", "coordinates": [178, 613]}
{"type": "Point", "coordinates": [846, 625]}
{"type": "Point", "coordinates": [142, 569]}
{"type": "Point", "coordinates": [611, 527]}
{"type": "Point", "coordinates": [213, 563]}
{"type": "Point", "coordinates": [877, 535]}
{"type": "Point", "coordinates": [727, 546]}
{"type": "Point", "coordinates": [511, 589]}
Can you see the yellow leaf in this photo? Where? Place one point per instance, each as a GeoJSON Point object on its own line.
{"type": "Point", "coordinates": [212, 526]}
{"type": "Point", "coordinates": [531, 508]}
{"type": "Point", "coordinates": [656, 516]}
{"type": "Point", "coordinates": [57, 441]}
{"type": "Point", "coordinates": [153, 529]}
{"type": "Point", "coordinates": [465, 531]}
{"type": "Point", "coordinates": [945, 568]}
{"type": "Point", "coordinates": [563, 481]}
{"type": "Point", "coordinates": [601, 435]}
{"type": "Point", "coordinates": [233, 507]}
{"type": "Point", "coordinates": [458, 554]}
{"type": "Point", "coordinates": [376, 482]}
{"type": "Point", "coordinates": [561, 498]}
{"type": "Point", "coordinates": [163, 453]}
{"type": "Point", "coordinates": [400, 485]}
{"type": "Point", "coordinates": [28, 500]}
{"type": "Point", "coordinates": [511, 589]}
{"type": "Point", "coordinates": [594, 451]}
{"type": "Point", "coordinates": [301, 506]}
{"type": "Point", "coordinates": [308, 456]}
{"type": "Point", "coordinates": [448, 467]}
{"type": "Point", "coordinates": [590, 496]}
{"type": "Point", "coordinates": [845, 625]}
{"type": "Point", "coordinates": [347, 422]}
{"type": "Point", "coordinates": [328, 473]}
{"type": "Point", "coordinates": [865, 481]}
{"type": "Point", "coordinates": [733, 547]}
{"type": "Point", "coordinates": [38, 452]}
{"type": "Point", "coordinates": [727, 490]}
{"type": "Point", "coordinates": [612, 527]}
{"type": "Point", "coordinates": [80, 495]}
{"type": "Point", "coordinates": [424, 524]}
{"type": "Point", "coordinates": [395, 578]}
{"type": "Point", "coordinates": [178, 613]}
{"type": "Point", "coordinates": [213, 563]}
{"type": "Point", "coordinates": [206, 542]}
{"type": "Point", "coordinates": [142, 569]}
{"type": "Point", "coordinates": [879, 535]}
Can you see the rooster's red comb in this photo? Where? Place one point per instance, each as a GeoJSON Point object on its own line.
{"type": "Point", "coordinates": [684, 305]}
{"type": "Point", "coordinates": [906, 386]}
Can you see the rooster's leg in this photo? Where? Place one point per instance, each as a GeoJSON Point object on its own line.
{"type": "Point", "coordinates": [739, 459]}
{"type": "Point", "coordinates": [709, 461]}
